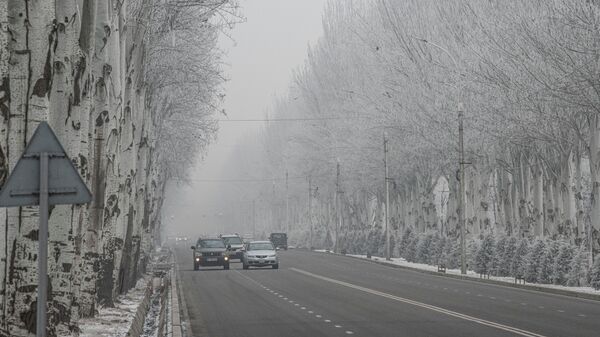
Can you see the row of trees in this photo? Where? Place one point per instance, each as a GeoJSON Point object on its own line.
{"type": "Point", "coordinates": [544, 261]}
{"type": "Point", "coordinates": [129, 87]}
{"type": "Point", "coordinates": [523, 74]}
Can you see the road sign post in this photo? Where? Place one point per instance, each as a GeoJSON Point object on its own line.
{"type": "Point", "coordinates": [44, 175]}
{"type": "Point", "coordinates": [43, 248]}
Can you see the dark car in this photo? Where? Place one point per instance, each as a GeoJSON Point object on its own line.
{"type": "Point", "coordinates": [279, 240]}
{"type": "Point", "coordinates": [234, 244]}
{"type": "Point", "coordinates": [210, 253]}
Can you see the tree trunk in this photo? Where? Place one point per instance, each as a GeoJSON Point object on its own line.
{"type": "Point", "coordinates": [538, 200]}
{"type": "Point", "coordinates": [594, 149]}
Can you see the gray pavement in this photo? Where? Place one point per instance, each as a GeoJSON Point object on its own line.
{"type": "Point", "coordinates": [314, 294]}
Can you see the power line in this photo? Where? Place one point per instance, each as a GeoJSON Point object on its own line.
{"type": "Point", "coordinates": [288, 119]}
{"type": "Point", "coordinates": [241, 180]}
{"type": "Point", "coordinates": [269, 119]}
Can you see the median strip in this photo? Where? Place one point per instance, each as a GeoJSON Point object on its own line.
{"type": "Point", "coordinates": [499, 326]}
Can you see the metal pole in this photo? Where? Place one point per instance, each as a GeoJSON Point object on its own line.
{"type": "Point", "coordinates": [337, 206]}
{"type": "Point", "coordinates": [254, 219]}
{"type": "Point", "coordinates": [461, 211]}
{"type": "Point", "coordinates": [43, 248]}
{"type": "Point", "coordinates": [387, 199]}
{"type": "Point", "coordinates": [310, 212]}
{"type": "Point", "coordinates": [287, 203]}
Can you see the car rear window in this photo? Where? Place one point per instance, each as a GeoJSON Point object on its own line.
{"type": "Point", "coordinates": [260, 246]}
{"type": "Point", "coordinates": [232, 240]}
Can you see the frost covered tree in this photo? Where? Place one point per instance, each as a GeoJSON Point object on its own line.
{"type": "Point", "coordinates": [410, 254]}
{"type": "Point", "coordinates": [407, 237]}
{"type": "Point", "coordinates": [546, 267]}
{"type": "Point", "coordinates": [531, 121]}
{"type": "Point", "coordinates": [111, 78]}
{"type": "Point", "coordinates": [472, 249]}
{"type": "Point", "coordinates": [424, 248]}
{"type": "Point", "coordinates": [439, 254]}
{"type": "Point", "coordinates": [562, 264]}
{"type": "Point", "coordinates": [505, 263]}
{"type": "Point", "coordinates": [485, 255]}
{"type": "Point", "coordinates": [519, 262]}
{"type": "Point", "coordinates": [533, 261]}
{"type": "Point", "coordinates": [578, 271]}
{"type": "Point", "coordinates": [595, 275]}
{"type": "Point", "coordinates": [497, 267]}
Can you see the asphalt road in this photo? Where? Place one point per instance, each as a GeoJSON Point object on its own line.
{"type": "Point", "coordinates": [315, 294]}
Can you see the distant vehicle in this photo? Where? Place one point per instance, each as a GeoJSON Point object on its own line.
{"type": "Point", "coordinates": [248, 238]}
{"type": "Point", "coordinates": [279, 240]}
{"type": "Point", "coordinates": [210, 252]}
{"type": "Point", "coordinates": [260, 254]}
{"type": "Point", "coordinates": [181, 240]}
{"type": "Point", "coordinates": [234, 245]}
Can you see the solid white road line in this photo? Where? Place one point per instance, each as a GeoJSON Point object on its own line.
{"type": "Point", "coordinates": [499, 326]}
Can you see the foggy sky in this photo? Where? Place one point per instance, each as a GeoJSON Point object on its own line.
{"type": "Point", "coordinates": [261, 55]}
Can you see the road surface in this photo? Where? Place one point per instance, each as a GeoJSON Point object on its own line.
{"type": "Point", "coordinates": [315, 294]}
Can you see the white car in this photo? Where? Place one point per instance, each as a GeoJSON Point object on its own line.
{"type": "Point", "coordinates": [260, 254]}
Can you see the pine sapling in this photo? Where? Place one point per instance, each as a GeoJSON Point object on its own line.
{"type": "Point", "coordinates": [595, 274]}
{"type": "Point", "coordinates": [533, 261]}
{"type": "Point", "coordinates": [562, 263]}
{"type": "Point", "coordinates": [578, 272]}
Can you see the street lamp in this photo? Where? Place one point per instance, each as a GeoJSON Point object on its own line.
{"type": "Point", "coordinates": [461, 149]}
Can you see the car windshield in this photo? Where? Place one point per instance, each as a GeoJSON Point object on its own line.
{"type": "Point", "coordinates": [232, 240]}
{"type": "Point", "coordinates": [278, 236]}
{"type": "Point", "coordinates": [212, 244]}
{"type": "Point", "coordinates": [261, 246]}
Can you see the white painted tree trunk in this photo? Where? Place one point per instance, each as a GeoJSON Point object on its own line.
{"type": "Point", "coordinates": [538, 200]}
{"type": "Point", "coordinates": [594, 149]}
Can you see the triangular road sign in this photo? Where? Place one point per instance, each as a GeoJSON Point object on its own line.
{"type": "Point", "coordinates": [65, 186]}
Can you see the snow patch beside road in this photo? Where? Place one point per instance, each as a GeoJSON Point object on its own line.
{"type": "Point", "coordinates": [472, 274]}
{"type": "Point", "coordinates": [115, 322]}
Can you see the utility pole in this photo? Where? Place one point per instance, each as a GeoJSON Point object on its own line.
{"type": "Point", "coordinates": [254, 219]}
{"type": "Point", "coordinates": [274, 225]}
{"type": "Point", "coordinates": [461, 212]}
{"type": "Point", "coordinates": [387, 198]}
{"type": "Point", "coordinates": [287, 203]}
{"type": "Point", "coordinates": [337, 206]}
{"type": "Point", "coordinates": [310, 222]}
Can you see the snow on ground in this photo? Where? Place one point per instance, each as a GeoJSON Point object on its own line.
{"type": "Point", "coordinates": [115, 322]}
{"type": "Point", "coordinates": [152, 320]}
{"type": "Point", "coordinates": [472, 274]}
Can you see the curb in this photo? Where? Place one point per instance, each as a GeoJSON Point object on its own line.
{"type": "Point", "coordinates": [175, 315]}
{"type": "Point", "coordinates": [530, 287]}
{"type": "Point", "coordinates": [137, 324]}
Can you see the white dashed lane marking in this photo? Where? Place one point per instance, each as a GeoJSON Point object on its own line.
{"type": "Point", "coordinates": [347, 332]}
{"type": "Point", "coordinates": [492, 324]}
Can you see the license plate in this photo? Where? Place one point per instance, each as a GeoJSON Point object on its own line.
{"type": "Point", "coordinates": [261, 261]}
{"type": "Point", "coordinates": [211, 259]}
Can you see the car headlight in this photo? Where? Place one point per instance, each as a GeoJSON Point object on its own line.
{"type": "Point", "coordinates": [197, 259]}
{"type": "Point", "coordinates": [274, 255]}
{"type": "Point", "coordinates": [226, 258]}
{"type": "Point", "coordinates": [251, 256]}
